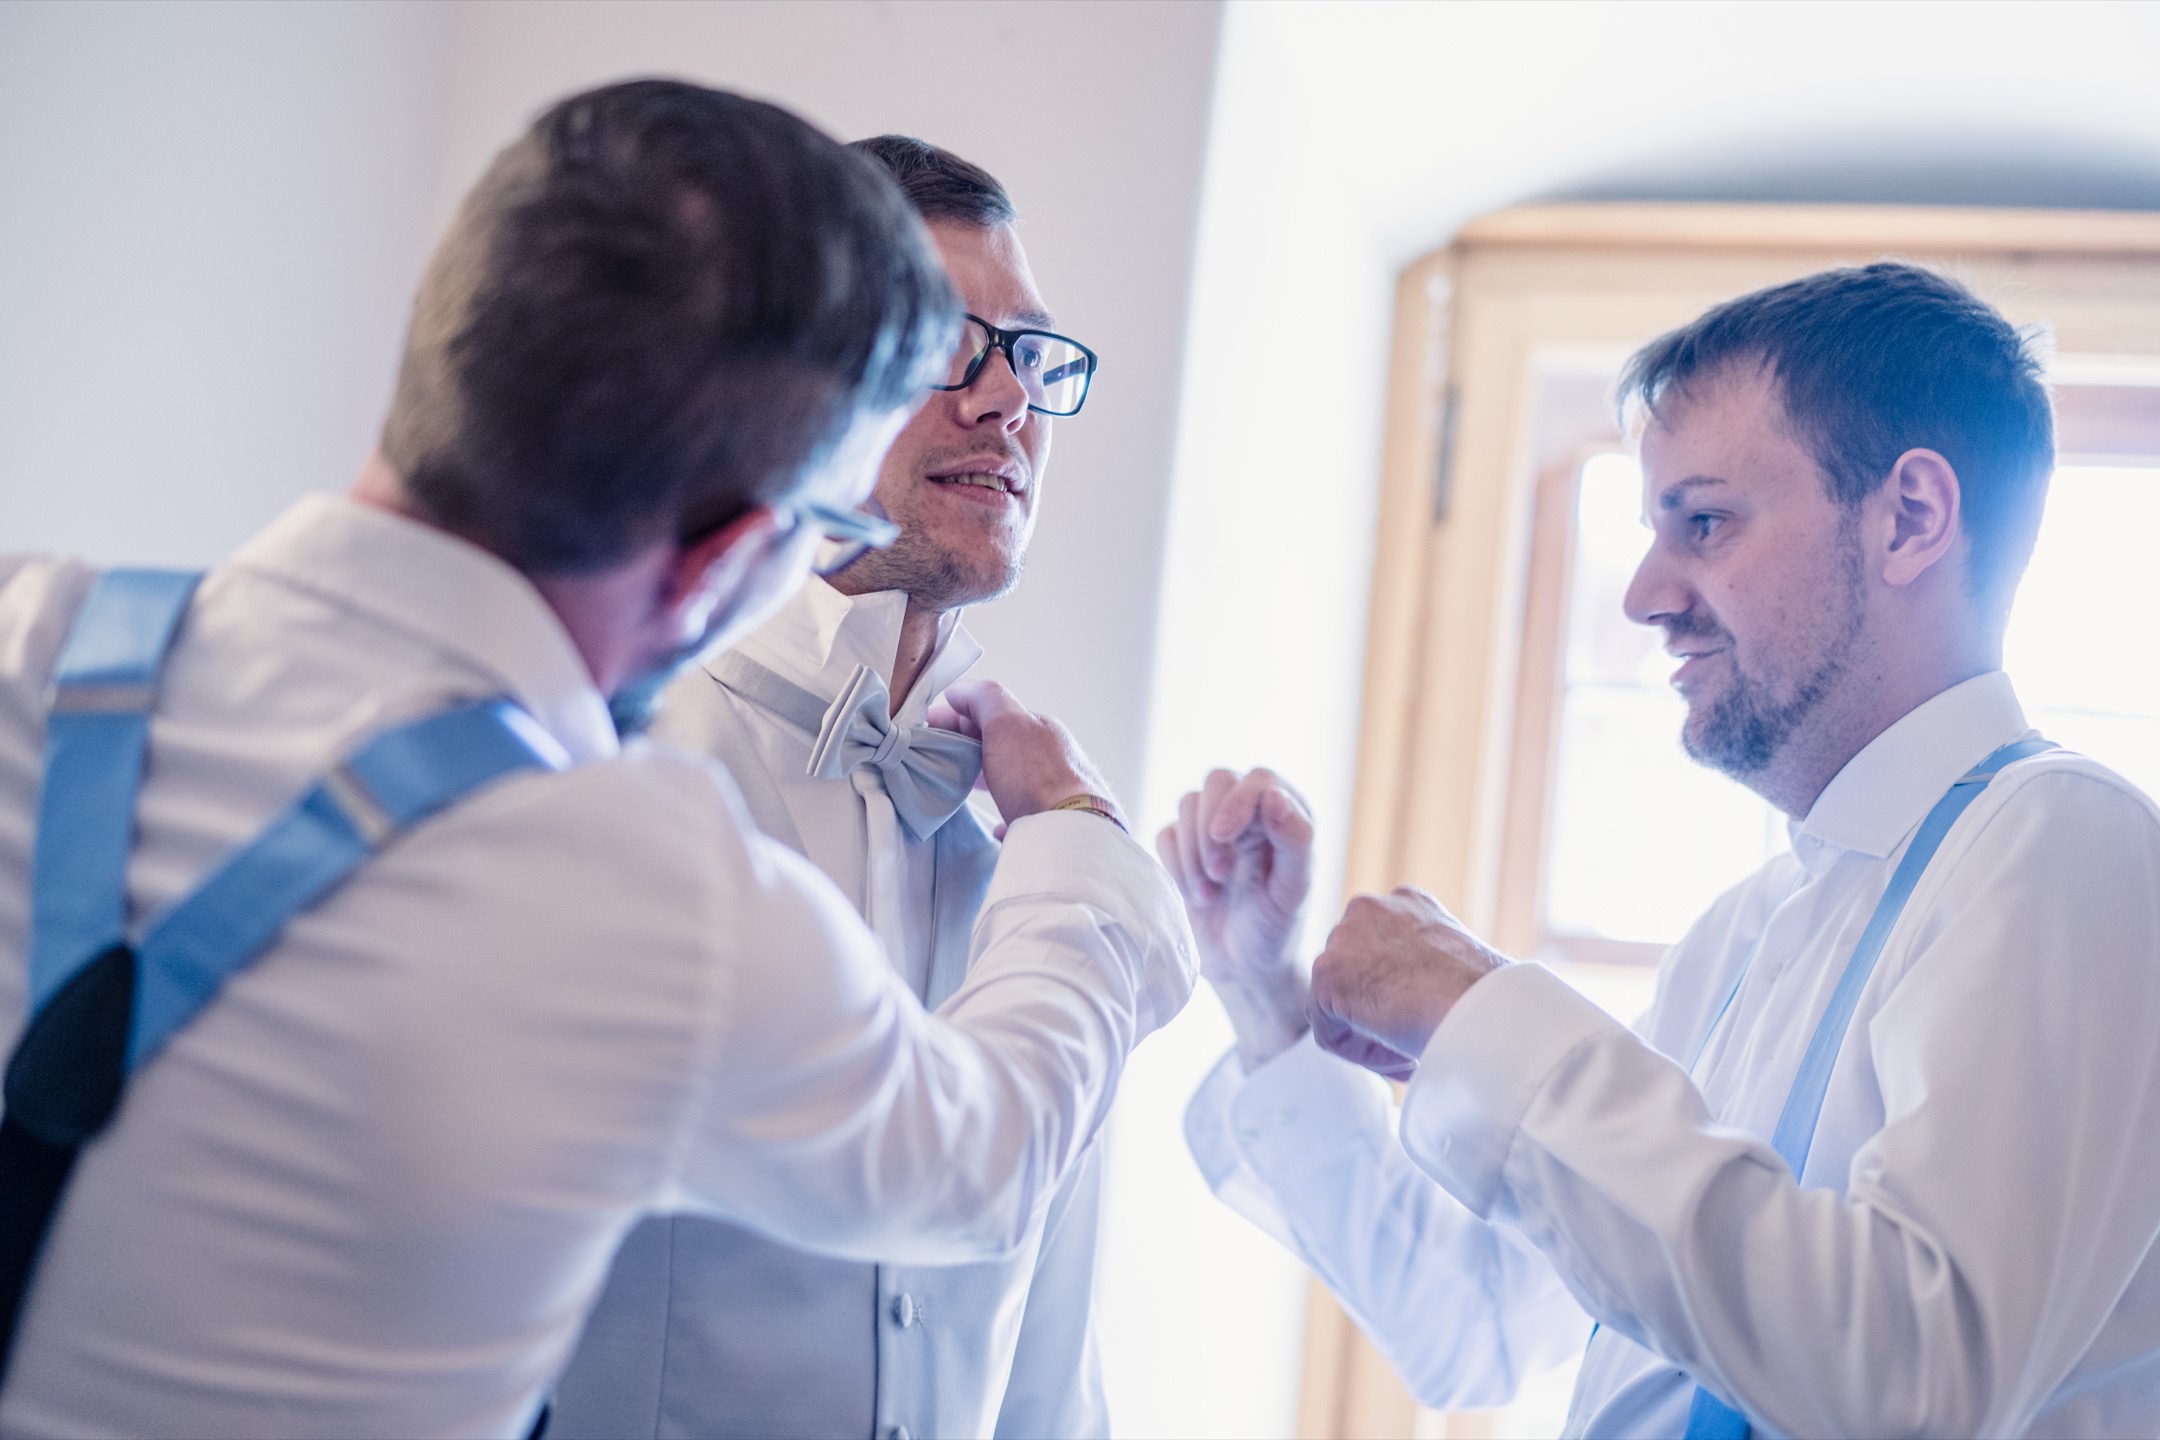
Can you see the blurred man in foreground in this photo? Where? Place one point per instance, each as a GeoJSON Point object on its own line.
{"type": "Point", "coordinates": [1884, 1157]}
{"type": "Point", "coordinates": [443, 1062]}
{"type": "Point", "coordinates": [824, 718]}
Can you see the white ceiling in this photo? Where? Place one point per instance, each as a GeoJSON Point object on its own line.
{"type": "Point", "coordinates": [1442, 111]}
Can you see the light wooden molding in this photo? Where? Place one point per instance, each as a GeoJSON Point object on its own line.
{"type": "Point", "coordinates": [1402, 568]}
{"type": "Point", "coordinates": [1886, 228]}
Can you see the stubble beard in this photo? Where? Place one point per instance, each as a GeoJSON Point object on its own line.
{"type": "Point", "coordinates": [1747, 728]}
{"type": "Point", "coordinates": [930, 575]}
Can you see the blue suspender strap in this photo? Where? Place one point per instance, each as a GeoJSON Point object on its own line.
{"type": "Point", "coordinates": [1795, 1132]}
{"type": "Point", "coordinates": [1710, 1418]}
{"type": "Point", "coordinates": [393, 782]}
{"type": "Point", "coordinates": [103, 691]}
{"type": "Point", "coordinates": [64, 1079]}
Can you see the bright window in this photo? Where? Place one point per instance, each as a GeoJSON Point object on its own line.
{"type": "Point", "coordinates": [2081, 646]}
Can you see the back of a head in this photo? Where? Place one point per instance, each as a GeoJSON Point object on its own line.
{"type": "Point", "coordinates": [657, 309]}
{"type": "Point", "coordinates": [939, 184]}
{"type": "Point", "coordinates": [1872, 361]}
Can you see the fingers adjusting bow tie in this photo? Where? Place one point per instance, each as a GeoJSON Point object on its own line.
{"type": "Point", "coordinates": [927, 772]}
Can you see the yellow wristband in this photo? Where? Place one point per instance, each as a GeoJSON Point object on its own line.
{"type": "Point", "coordinates": [1094, 805]}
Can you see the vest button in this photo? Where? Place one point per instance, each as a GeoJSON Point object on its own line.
{"type": "Point", "coordinates": [903, 1315]}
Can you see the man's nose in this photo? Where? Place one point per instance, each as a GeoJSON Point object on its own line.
{"type": "Point", "coordinates": [996, 398]}
{"type": "Point", "coordinates": [1655, 592]}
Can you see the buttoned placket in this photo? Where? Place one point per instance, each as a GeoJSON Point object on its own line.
{"type": "Point", "coordinates": [903, 1411]}
{"type": "Point", "coordinates": [902, 1329]}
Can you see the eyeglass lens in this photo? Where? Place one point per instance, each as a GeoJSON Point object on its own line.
{"type": "Point", "coordinates": [1051, 369]}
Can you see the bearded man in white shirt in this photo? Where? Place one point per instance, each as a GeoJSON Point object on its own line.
{"type": "Point", "coordinates": [708, 1328]}
{"type": "Point", "coordinates": [1884, 1156]}
{"type": "Point", "coordinates": [374, 1185]}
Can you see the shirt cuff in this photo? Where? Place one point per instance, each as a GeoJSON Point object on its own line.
{"type": "Point", "coordinates": [1084, 859]}
{"type": "Point", "coordinates": [1482, 1069]}
{"type": "Point", "coordinates": [1258, 1135]}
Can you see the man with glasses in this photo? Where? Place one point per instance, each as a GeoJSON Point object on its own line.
{"type": "Point", "coordinates": [825, 719]}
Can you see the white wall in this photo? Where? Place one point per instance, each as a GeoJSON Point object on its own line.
{"type": "Point", "coordinates": [211, 220]}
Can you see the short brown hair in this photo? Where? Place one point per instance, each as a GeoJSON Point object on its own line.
{"type": "Point", "coordinates": [939, 184]}
{"type": "Point", "coordinates": [656, 310]}
{"type": "Point", "coordinates": [1875, 360]}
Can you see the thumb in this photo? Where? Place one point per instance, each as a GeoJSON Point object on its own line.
{"type": "Point", "coordinates": [944, 716]}
{"type": "Point", "coordinates": [975, 703]}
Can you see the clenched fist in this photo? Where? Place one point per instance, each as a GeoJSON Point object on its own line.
{"type": "Point", "coordinates": [1392, 969]}
{"type": "Point", "coordinates": [1241, 854]}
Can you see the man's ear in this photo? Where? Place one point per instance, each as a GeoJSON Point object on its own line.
{"type": "Point", "coordinates": [1926, 502]}
{"type": "Point", "coordinates": [708, 573]}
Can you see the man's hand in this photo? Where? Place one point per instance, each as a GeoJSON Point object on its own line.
{"type": "Point", "coordinates": [1241, 854]}
{"type": "Point", "coordinates": [1030, 761]}
{"type": "Point", "coordinates": [1390, 973]}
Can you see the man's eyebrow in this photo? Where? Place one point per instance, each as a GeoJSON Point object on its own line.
{"type": "Point", "coordinates": [1033, 320]}
{"type": "Point", "coordinates": [1675, 495]}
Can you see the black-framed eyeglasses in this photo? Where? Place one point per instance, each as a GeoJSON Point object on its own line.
{"type": "Point", "coordinates": [1055, 370]}
{"type": "Point", "coordinates": [845, 536]}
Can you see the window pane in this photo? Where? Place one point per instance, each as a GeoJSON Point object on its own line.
{"type": "Point", "coordinates": [1643, 838]}
{"type": "Point", "coordinates": [2080, 645]}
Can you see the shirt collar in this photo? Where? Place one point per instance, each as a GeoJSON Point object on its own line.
{"type": "Point", "coordinates": [820, 636]}
{"type": "Point", "coordinates": [451, 594]}
{"type": "Point", "coordinates": [1888, 788]}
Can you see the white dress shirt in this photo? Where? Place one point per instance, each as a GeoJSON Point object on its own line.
{"type": "Point", "coordinates": [1971, 1253]}
{"type": "Point", "coordinates": [374, 1187]}
{"type": "Point", "coordinates": [708, 1330]}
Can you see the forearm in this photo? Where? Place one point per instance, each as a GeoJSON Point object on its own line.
{"type": "Point", "coordinates": [1267, 1013]}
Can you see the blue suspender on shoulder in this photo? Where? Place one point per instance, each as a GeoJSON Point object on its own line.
{"type": "Point", "coordinates": [100, 1008]}
{"type": "Point", "coordinates": [1710, 1418]}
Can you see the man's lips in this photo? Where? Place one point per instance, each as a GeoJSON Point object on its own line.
{"type": "Point", "coordinates": [991, 477]}
{"type": "Point", "coordinates": [1692, 664]}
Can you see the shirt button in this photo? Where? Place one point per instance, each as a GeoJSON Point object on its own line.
{"type": "Point", "coordinates": [903, 1315]}
{"type": "Point", "coordinates": [898, 1432]}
